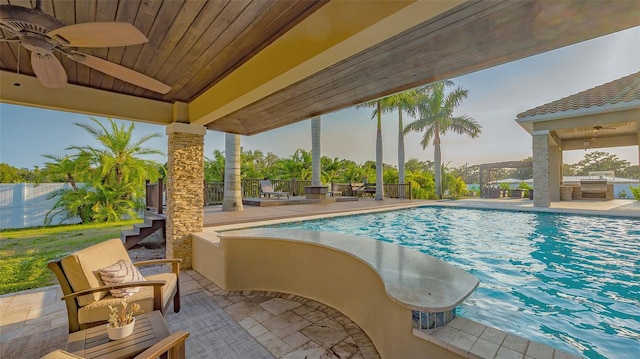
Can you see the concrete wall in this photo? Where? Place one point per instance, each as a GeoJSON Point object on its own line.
{"type": "Point", "coordinates": [25, 204]}
{"type": "Point", "coordinates": [323, 274]}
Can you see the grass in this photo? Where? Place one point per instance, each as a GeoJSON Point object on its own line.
{"type": "Point", "coordinates": [26, 252]}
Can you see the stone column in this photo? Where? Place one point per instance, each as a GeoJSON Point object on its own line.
{"type": "Point", "coordinates": [185, 193]}
{"type": "Point", "coordinates": [541, 169]}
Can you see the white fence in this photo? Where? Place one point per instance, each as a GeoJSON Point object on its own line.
{"type": "Point", "coordinates": [25, 204]}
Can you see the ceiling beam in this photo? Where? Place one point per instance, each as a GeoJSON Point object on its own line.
{"type": "Point", "coordinates": [600, 142]}
{"type": "Point", "coordinates": [78, 99]}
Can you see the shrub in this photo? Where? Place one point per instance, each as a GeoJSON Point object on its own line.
{"type": "Point", "coordinates": [636, 192]}
{"type": "Point", "coordinates": [622, 194]}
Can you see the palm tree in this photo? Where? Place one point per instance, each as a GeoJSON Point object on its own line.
{"type": "Point", "coordinates": [377, 113]}
{"type": "Point", "coordinates": [435, 118]}
{"type": "Point", "coordinates": [232, 200]}
{"type": "Point", "coordinates": [113, 175]}
{"type": "Point", "coordinates": [402, 102]}
{"type": "Point", "coordinates": [119, 158]}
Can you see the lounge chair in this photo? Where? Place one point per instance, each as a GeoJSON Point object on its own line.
{"type": "Point", "coordinates": [87, 296]}
{"type": "Point", "coordinates": [266, 189]}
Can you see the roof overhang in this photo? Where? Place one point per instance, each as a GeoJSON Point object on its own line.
{"type": "Point", "coordinates": [340, 53]}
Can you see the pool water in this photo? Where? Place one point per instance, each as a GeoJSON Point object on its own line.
{"type": "Point", "coordinates": [571, 282]}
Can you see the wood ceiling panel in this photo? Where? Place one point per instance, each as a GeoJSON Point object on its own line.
{"type": "Point", "coordinates": [466, 39]}
{"type": "Point", "coordinates": [124, 14]}
{"type": "Point", "coordinates": [364, 73]}
{"type": "Point", "coordinates": [162, 22]}
{"type": "Point", "coordinates": [268, 25]}
{"type": "Point", "coordinates": [221, 30]}
{"type": "Point", "coordinates": [183, 20]}
{"type": "Point", "coordinates": [144, 21]}
{"type": "Point", "coordinates": [203, 30]}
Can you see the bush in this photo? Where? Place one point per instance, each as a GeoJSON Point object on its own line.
{"type": "Point", "coordinates": [622, 194]}
{"type": "Point", "coordinates": [636, 192]}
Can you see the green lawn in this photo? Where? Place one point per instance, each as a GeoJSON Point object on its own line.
{"type": "Point", "coordinates": [24, 253]}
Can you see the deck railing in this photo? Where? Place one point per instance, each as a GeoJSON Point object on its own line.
{"type": "Point", "coordinates": [155, 195]}
{"type": "Point", "coordinates": [214, 191]}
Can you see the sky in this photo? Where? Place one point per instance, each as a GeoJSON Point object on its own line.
{"type": "Point", "coordinates": [496, 96]}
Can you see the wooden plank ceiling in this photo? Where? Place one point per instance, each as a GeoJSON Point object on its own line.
{"type": "Point", "coordinates": [195, 44]}
{"type": "Point", "coordinates": [192, 44]}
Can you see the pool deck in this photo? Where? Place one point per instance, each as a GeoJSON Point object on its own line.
{"type": "Point", "coordinates": [213, 215]}
{"type": "Point", "coordinates": [32, 325]}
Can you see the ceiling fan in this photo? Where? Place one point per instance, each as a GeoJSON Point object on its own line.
{"type": "Point", "coordinates": [597, 128]}
{"type": "Point", "coordinates": [43, 34]}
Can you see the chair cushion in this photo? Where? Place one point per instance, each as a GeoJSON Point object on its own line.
{"type": "Point", "coordinates": [99, 311]}
{"type": "Point", "coordinates": [122, 271]}
{"type": "Point", "coordinates": [82, 267]}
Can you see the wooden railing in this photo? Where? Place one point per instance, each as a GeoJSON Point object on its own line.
{"type": "Point", "coordinates": [155, 196]}
{"type": "Point", "coordinates": [398, 190]}
{"type": "Point", "coordinates": [214, 191]}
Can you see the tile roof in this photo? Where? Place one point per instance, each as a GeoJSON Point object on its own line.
{"type": "Point", "coordinates": [621, 90]}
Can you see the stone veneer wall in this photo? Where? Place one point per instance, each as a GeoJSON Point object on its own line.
{"type": "Point", "coordinates": [185, 194]}
{"type": "Point", "coordinates": [541, 169]}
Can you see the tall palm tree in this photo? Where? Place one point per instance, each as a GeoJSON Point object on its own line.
{"type": "Point", "coordinates": [435, 118]}
{"type": "Point", "coordinates": [402, 102]}
{"type": "Point", "coordinates": [232, 199]}
{"type": "Point", "coordinates": [377, 113]}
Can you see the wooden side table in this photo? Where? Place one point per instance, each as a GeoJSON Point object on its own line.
{"type": "Point", "coordinates": [94, 342]}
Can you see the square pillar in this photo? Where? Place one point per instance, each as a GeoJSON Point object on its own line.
{"type": "Point", "coordinates": [555, 172]}
{"type": "Point", "coordinates": [185, 193]}
{"type": "Point", "coordinates": [541, 169]}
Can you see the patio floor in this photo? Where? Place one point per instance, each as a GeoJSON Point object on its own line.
{"type": "Point", "coordinates": [34, 322]}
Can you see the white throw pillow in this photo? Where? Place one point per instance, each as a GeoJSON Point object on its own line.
{"type": "Point", "coordinates": [121, 272]}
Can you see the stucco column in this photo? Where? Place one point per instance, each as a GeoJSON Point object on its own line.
{"type": "Point", "coordinates": [316, 154]}
{"type": "Point", "coordinates": [185, 194]}
{"type": "Point", "coordinates": [555, 172]}
{"type": "Point", "coordinates": [541, 169]}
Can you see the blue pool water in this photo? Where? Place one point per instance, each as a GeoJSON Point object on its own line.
{"type": "Point", "coordinates": [571, 282]}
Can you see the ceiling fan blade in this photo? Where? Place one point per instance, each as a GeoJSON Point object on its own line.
{"type": "Point", "coordinates": [120, 72]}
{"type": "Point", "coordinates": [98, 34]}
{"type": "Point", "coordinates": [48, 70]}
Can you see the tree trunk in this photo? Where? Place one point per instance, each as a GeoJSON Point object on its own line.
{"type": "Point", "coordinates": [316, 167]}
{"type": "Point", "coordinates": [379, 172]}
{"type": "Point", "coordinates": [437, 157]}
{"type": "Point", "coordinates": [232, 200]}
{"type": "Point", "coordinates": [400, 147]}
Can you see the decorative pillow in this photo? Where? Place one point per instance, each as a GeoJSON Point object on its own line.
{"type": "Point", "coordinates": [121, 272]}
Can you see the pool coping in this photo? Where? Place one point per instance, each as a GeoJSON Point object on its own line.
{"type": "Point", "coordinates": [413, 279]}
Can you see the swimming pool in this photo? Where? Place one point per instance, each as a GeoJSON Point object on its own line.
{"type": "Point", "coordinates": [571, 282]}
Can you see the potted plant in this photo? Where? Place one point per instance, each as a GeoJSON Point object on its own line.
{"type": "Point", "coordinates": [121, 319]}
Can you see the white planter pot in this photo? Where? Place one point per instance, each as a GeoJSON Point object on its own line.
{"type": "Point", "coordinates": [121, 332]}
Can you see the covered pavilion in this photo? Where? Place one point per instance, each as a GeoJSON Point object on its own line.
{"type": "Point", "coordinates": [248, 67]}
{"type": "Point", "coordinates": [604, 116]}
